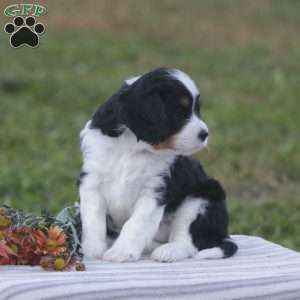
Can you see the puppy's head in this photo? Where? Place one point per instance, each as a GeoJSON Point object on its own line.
{"type": "Point", "coordinates": [162, 108]}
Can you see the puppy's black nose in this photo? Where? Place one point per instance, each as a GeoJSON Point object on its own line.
{"type": "Point", "coordinates": [203, 135]}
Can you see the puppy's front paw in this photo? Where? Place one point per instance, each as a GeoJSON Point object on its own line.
{"type": "Point", "coordinates": [171, 252]}
{"type": "Point", "coordinates": [122, 253]}
{"type": "Point", "coordinates": [93, 250]}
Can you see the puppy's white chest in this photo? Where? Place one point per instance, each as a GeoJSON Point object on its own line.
{"type": "Point", "coordinates": [124, 167]}
{"type": "Point", "coordinates": [124, 184]}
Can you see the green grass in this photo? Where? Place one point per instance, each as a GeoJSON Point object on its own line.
{"type": "Point", "coordinates": [245, 58]}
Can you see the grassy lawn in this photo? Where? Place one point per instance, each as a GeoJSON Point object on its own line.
{"type": "Point", "coordinates": [244, 55]}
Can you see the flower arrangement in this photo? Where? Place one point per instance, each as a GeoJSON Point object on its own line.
{"type": "Point", "coordinates": [51, 242]}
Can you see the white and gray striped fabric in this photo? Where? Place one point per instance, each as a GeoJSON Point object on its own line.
{"type": "Point", "coordinates": [260, 270]}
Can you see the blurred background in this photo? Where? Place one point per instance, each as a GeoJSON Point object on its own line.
{"type": "Point", "coordinates": [244, 56]}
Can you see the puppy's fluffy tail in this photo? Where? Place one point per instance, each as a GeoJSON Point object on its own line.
{"type": "Point", "coordinates": [226, 249]}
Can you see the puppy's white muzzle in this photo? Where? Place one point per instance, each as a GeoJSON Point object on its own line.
{"type": "Point", "coordinates": [193, 137]}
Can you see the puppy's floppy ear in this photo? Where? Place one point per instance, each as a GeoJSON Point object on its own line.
{"type": "Point", "coordinates": [144, 114]}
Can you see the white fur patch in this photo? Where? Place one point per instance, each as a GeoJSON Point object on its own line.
{"type": "Point", "coordinates": [187, 141]}
{"type": "Point", "coordinates": [184, 216]}
{"type": "Point", "coordinates": [131, 80]}
{"type": "Point", "coordinates": [172, 252]}
{"type": "Point", "coordinates": [120, 252]}
{"type": "Point", "coordinates": [186, 80]}
{"type": "Point", "coordinates": [139, 230]}
{"type": "Point", "coordinates": [180, 245]}
{"type": "Point", "coordinates": [212, 253]}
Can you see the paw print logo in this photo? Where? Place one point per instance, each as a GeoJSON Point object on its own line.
{"type": "Point", "coordinates": [24, 32]}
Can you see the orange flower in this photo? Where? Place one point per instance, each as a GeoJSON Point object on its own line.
{"type": "Point", "coordinates": [51, 243]}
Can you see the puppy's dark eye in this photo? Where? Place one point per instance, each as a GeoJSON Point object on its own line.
{"type": "Point", "coordinates": [183, 107]}
{"type": "Point", "coordinates": [184, 101]}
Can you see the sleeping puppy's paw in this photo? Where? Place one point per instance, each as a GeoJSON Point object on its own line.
{"type": "Point", "coordinates": [94, 249]}
{"type": "Point", "coordinates": [172, 252]}
{"type": "Point", "coordinates": [122, 252]}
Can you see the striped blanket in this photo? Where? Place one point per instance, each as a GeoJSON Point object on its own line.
{"type": "Point", "coordinates": [260, 270]}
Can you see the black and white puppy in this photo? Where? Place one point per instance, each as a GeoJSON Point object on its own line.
{"type": "Point", "coordinates": [138, 177]}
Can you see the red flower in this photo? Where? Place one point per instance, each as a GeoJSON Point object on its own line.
{"type": "Point", "coordinates": [25, 245]}
{"type": "Point", "coordinates": [53, 243]}
{"type": "Point", "coordinates": [7, 255]}
{"type": "Point", "coordinates": [22, 242]}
